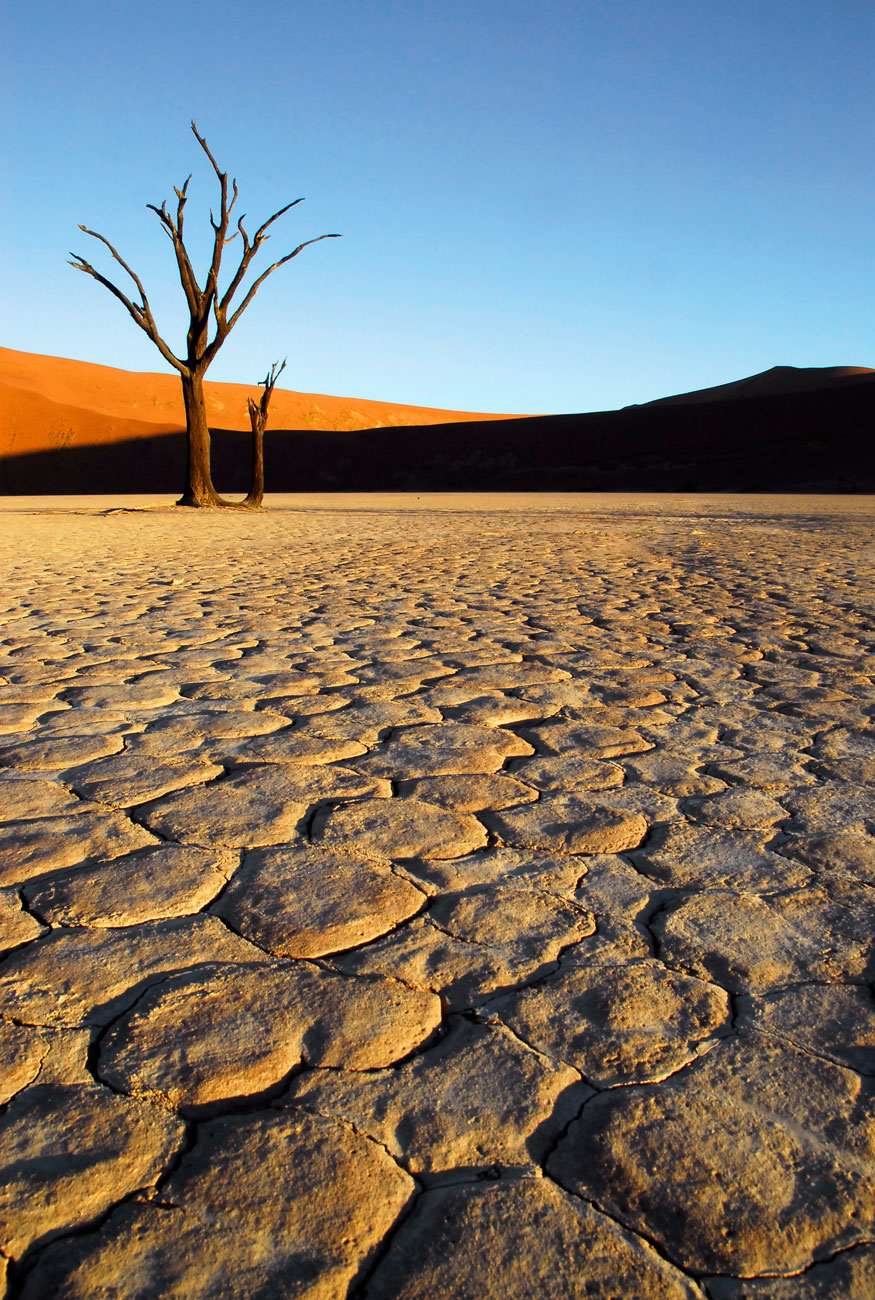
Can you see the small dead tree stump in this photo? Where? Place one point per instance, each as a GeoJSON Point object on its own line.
{"type": "Point", "coordinates": [258, 419]}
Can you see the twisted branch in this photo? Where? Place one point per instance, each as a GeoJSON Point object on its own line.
{"type": "Point", "coordinates": [249, 251]}
{"type": "Point", "coordinates": [174, 233]}
{"type": "Point", "coordinates": [253, 288]}
{"type": "Point", "coordinates": [141, 313]}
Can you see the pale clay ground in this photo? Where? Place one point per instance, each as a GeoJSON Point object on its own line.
{"type": "Point", "coordinates": [438, 897]}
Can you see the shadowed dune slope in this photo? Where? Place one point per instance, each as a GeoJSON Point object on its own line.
{"type": "Point", "coordinates": [815, 434]}
{"type": "Point", "coordinates": [780, 379]}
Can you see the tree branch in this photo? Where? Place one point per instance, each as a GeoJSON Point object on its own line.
{"type": "Point", "coordinates": [181, 196]}
{"type": "Point", "coordinates": [141, 314]}
{"type": "Point", "coordinates": [121, 261]}
{"type": "Point", "coordinates": [260, 235]}
{"type": "Point", "coordinates": [249, 251]}
{"type": "Point", "coordinates": [206, 148]}
{"type": "Point", "coordinates": [220, 227]}
{"type": "Point", "coordinates": [253, 288]}
{"type": "Point", "coordinates": [269, 382]}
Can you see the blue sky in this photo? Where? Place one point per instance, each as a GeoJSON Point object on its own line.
{"type": "Point", "coordinates": [547, 206]}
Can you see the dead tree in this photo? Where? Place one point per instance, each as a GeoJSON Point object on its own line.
{"type": "Point", "coordinates": [258, 420]}
{"type": "Point", "coordinates": [210, 309]}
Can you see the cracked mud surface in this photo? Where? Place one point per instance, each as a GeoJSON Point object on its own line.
{"type": "Point", "coordinates": [438, 897]}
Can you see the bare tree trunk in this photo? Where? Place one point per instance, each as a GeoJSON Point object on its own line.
{"type": "Point", "coordinates": [258, 420]}
{"type": "Point", "coordinates": [199, 490]}
{"type": "Point", "coordinates": [258, 412]}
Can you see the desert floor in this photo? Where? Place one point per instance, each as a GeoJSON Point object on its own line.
{"type": "Point", "coordinates": [438, 897]}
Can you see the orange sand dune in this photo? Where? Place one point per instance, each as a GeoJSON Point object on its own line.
{"type": "Point", "coordinates": [51, 402]}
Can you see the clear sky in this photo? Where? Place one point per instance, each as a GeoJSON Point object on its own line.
{"type": "Point", "coordinates": [546, 205]}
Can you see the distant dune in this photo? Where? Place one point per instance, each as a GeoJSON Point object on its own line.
{"type": "Point", "coordinates": [770, 383]}
{"type": "Point", "coordinates": [69, 427]}
{"type": "Point", "coordinates": [50, 402]}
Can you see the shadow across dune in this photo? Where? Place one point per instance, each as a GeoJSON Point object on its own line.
{"type": "Point", "coordinates": [814, 441]}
